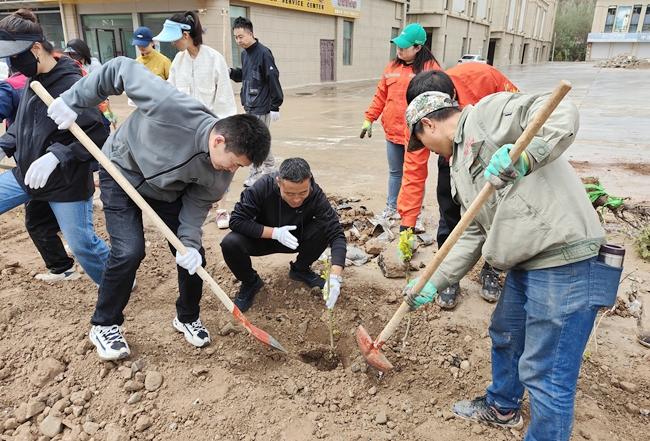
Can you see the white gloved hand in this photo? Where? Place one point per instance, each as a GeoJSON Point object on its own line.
{"type": "Point", "coordinates": [61, 114]}
{"type": "Point", "coordinates": [40, 170]}
{"type": "Point", "coordinates": [275, 116]}
{"type": "Point", "coordinates": [334, 291]}
{"type": "Point", "coordinates": [283, 235]}
{"type": "Point", "coordinates": [191, 261]}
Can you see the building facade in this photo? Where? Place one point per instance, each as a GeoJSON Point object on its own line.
{"type": "Point", "coordinates": [502, 31]}
{"type": "Point", "coordinates": [313, 41]}
{"type": "Point", "coordinates": [622, 28]}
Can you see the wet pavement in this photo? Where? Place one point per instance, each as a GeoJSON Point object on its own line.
{"type": "Point", "coordinates": [322, 124]}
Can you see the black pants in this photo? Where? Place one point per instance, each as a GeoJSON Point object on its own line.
{"type": "Point", "coordinates": [43, 228]}
{"type": "Point", "coordinates": [124, 226]}
{"type": "Point", "coordinates": [237, 250]}
{"type": "Point", "coordinates": [449, 210]}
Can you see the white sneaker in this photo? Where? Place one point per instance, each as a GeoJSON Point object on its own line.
{"type": "Point", "coordinates": [110, 342]}
{"type": "Point", "coordinates": [223, 219]}
{"type": "Point", "coordinates": [390, 214]}
{"type": "Point", "coordinates": [195, 333]}
{"type": "Point", "coordinates": [49, 276]}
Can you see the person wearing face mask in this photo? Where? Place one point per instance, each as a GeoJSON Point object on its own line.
{"type": "Point", "coordinates": [390, 102]}
{"type": "Point", "coordinates": [149, 56]}
{"type": "Point", "coordinates": [52, 167]}
{"type": "Point", "coordinates": [181, 158]}
{"type": "Point", "coordinates": [285, 212]}
{"type": "Point", "coordinates": [197, 69]}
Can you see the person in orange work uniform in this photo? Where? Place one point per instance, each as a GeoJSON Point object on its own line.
{"type": "Point", "coordinates": [466, 83]}
{"type": "Point", "coordinates": [389, 102]}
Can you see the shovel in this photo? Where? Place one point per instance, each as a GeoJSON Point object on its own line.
{"type": "Point", "coordinates": [370, 349]}
{"type": "Point", "coordinates": [258, 333]}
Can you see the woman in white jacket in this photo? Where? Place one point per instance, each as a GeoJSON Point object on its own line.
{"type": "Point", "coordinates": [197, 69]}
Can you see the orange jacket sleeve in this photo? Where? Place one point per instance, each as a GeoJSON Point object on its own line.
{"type": "Point", "coordinates": [378, 101]}
{"type": "Point", "coordinates": [414, 178]}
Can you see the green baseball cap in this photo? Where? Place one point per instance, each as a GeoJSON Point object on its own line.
{"type": "Point", "coordinates": [421, 106]}
{"type": "Point", "coordinates": [413, 34]}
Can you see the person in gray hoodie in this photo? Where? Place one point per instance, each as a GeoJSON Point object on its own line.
{"type": "Point", "coordinates": [181, 158]}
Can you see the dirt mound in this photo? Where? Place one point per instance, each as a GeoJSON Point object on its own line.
{"type": "Point", "coordinates": [52, 386]}
{"type": "Point", "coordinates": [624, 61]}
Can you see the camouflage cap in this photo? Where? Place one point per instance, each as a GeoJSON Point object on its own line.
{"type": "Point", "coordinates": [421, 106]}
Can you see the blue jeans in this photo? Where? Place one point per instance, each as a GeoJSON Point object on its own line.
{"type": "Point", "coordinates": [539, 331]}
{"type": "Point", "coordinates": [74, 218]}
{"type": "Point", "coordinates": [395, 154]}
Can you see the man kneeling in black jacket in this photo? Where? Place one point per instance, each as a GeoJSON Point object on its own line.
{"type": "Point", "coordinates": [285, 212]}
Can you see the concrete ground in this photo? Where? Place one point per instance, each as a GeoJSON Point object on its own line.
{"type": "Point", "coordinates": [322, 124]}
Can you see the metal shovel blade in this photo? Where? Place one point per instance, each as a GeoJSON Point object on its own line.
{"type": "Point", "coordinates": [370, 352]}
{"type": "Point", "coordinates": [256, 332]}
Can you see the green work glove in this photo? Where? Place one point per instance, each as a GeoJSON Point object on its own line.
{"type": "Point", "coordinates": [501, 171]}
{"type": "Point", "coordinates": [417, 299]}
{"type": "Point", "coordinates": [366, 128]}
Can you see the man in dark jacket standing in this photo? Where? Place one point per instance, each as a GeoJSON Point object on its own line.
{"type": "Point", "coordinates": [261, 93]}
{"type": "Point", "coordinates": [284, 213]}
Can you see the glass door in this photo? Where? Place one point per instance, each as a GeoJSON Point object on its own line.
{"type": "Point", "coordinates": [106, 42]}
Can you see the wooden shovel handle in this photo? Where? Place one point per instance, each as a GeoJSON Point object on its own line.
{"type": "Point", "coordinates": [520, 145]}
{"type": "Point", "coordinates": [88, 143]}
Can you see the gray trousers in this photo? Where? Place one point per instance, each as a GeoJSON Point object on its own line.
{"type": "Point", "coordinates": [268, 166]}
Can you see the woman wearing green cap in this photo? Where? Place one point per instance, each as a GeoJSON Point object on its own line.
{"type": "Point", "coordinates": [390, 102]}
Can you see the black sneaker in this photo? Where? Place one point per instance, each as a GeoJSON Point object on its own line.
{"type": "Point", "coordinates": [479, 410]}
{"type": "Point", "coordinates": [448, 297]}
{"type": "Point", "coordinates": [247, 292]}
{"type": "Point", "coordinates": [491, 290]}
{"type": "Point", "coordinates": [306, 276]}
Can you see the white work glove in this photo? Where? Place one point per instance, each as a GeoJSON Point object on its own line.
{"type": "Point", "coordinates": [334, 291]}
{"type": "Point", "coordinates": [61, 114]}
{"type": "Point", "coordinates": [191, 261]}
{"type": "Point", "coordinates": [40, 170]}
{"type": "Point", "coordinates": [283, 235]}
{"type": "Point", "coordinates": [275, 116]}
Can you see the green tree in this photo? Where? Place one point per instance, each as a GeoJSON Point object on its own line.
{"type": "Point", "coordinates": [572, 24]}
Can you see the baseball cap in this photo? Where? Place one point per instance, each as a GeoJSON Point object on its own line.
{"type": "Point", "coordinates": [421, 106]}
{"type": "Point", "coordinates": [14, 44]}
{"type": "Point", "coordinates": [172, 31]}
{"type": "Point", "coordinates": [142, 36]}
{"type": "Point", "coordinates": [413, 34]}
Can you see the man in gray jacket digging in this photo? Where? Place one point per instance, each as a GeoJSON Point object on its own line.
{"type": "Point", "coordinates": [181, 158]}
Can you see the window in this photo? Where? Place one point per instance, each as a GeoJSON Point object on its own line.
{"type": "Point", "coordinates": [482, 10]}
{"type": "Point", "coordinates": [634, 22]}
{"type": "Point", "coordinates": [458, 6]}
{"type": "Point", "coordinates": [347, 42]}
{"type": "Point", "coordinates": [236, 11]}
{"type": "Point", "coordinates": [511, 15]}
{"type": "Point", "coordinates": [646, 20]}
{"type": "Point", "coordinates": [609, 20]}
{"type": "Point", "coordinates": [622, 18]}
{"type": "Point", "coordinates": [155, 22]}
{"type": "Point", "coordinates": [394, 32]}
{"type": "Point", "coordinates": [522, 16]}
{"type": "Point", "coordinates": [109, 35]}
